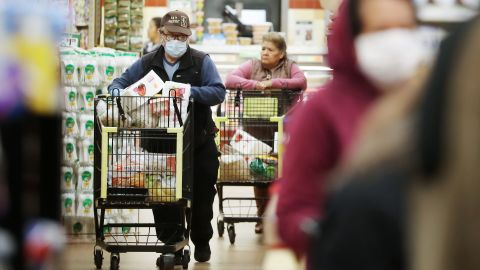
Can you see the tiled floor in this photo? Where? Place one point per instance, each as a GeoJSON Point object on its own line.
{"type": "Point", "coordinates": [246, 254]}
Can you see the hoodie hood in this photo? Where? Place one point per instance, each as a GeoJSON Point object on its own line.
{"type": "Point", "coordinates": [341, 49]}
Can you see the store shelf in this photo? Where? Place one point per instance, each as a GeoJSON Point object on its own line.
{"type": "Point", "coordinates": [236, 49]}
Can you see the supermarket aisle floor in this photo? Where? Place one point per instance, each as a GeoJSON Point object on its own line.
{"type": "Point", "coordinates": [246, 254]}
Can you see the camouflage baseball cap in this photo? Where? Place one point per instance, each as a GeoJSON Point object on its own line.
{"type": "Point", "coordinates": [177, 22]}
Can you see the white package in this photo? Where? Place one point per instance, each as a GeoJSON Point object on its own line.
{"type": "Point", "coordinates": [69, 150]}
{"type": "Point", "coordinates": [68, 204]}
{"type": "Point", "coordinates": [148, 86]}
{"type": "Point", "coordinates": [248, 145]}
{"type": "Point", "coordinates": [143, 117]}
{"type": "Point", "coordinates": [70, 125]}
{"type": "Point", "coordinates": [85, 205]}
{"type": "Point", "coordinates": [85, 179]}
{"type": "Point", "coordinates": [89, 74]}
{"type": "Point", "coordinates": [111, 213]}
{"type": "Point", "coordinates": [107, 66]}
{"type": "Point", "coordinates": [71, 98]}
{"type": "Point", "coordinates": [110, 117]}
{"type": "Point", "coordinates": [67, 179]}
{"type": "Point", "coordinates": [86, 123]}
{"type": "Point", "coordinates": [86, 151]}
{"type": "Point", "coordinates": [69, 66]}
{"type": "Point", "coordinates": [160, 162]}
{"type": "Point", "coordinates": [88, 98]}
{"type": "Point", "coordinates": [181, 91]}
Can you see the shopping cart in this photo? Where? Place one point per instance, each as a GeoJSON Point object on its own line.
{"type": "Point", "coordinates": [251, 127]}
{"type": "Point", "coordinates": [143, 159]}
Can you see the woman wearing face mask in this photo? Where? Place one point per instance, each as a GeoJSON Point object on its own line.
{"type": "Point", "coordinates": [153, 33]}
{"type": "Point", "coordinates": [274, 70]}
{"type": "Point", "coordinates": [322, 130]}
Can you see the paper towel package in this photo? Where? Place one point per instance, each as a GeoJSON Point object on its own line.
{"type": "Point", "coordinates": [148, 86]}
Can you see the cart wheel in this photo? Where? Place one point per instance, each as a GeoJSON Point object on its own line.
{"type": "Point", "coordinates": [98, 258]}
{"type": "Point", "coordinates": [186, 258]}
{"type": "Point", "coordinates": [166, 262]}
{"type": "Point", "coordinates": [114, 261]}
{"type": "Point", "coordinates": [231, 233]}
{"type": "Point", "coordinates": [220, 227]}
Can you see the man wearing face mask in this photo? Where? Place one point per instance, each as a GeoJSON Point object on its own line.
{"type": "Point", "coordinates": [369, 57]}
{"type": "Point", "coordinates": [176, 61]}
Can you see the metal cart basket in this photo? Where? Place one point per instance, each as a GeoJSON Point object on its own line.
{"type": "Point", "coordinates": [251, 132]}
{"type": "Point", "coordinates": [143, 159]}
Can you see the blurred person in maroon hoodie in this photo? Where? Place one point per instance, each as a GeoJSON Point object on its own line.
{"type": "Point", "coordinates": [322, 130]}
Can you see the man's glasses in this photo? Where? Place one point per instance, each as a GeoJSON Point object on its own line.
{"type": "Point", "coordinates": [181, 38]}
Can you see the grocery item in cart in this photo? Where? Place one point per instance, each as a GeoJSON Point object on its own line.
{"type": "Point", "coordinates": [71, 97]}
{"type": "Point", "coordinates": [67, 179]}
{"type": "Point", "coordinates": [264, 167]}
{"type": "Point", "coordinates": [246, 144]}
{"type": "Point", "coordinates": [181, 91]}
{"type": "Point", "coordinates": [85, 179]}
{"type": "Point", "coordinates": [109, 115]}
{"type": "Point", "coordinates": [160, 162]}
{"type": "Point", "coordinates": [85, 205]}
{"type": "Point", "coordinates": [68, 204]}
{"type": "Point", "coordinates": [234, 168]}
{"type": "Point", "coordinates": [86, 125]}
{"type": "Point", "coordinates": [69, 150]}
{"type": "Point", "coordinates": [70, 125]}
{"type": "Point", "coordinates": [88, 96]}
{"type": "Point", "coordinates": [161, 188]}
{"type": "Point", "coordinates": [148, 86]}
{"type": "Point", "coordinates": [135, 180]}
{"type": "Point", "coordinates": [143, 117]}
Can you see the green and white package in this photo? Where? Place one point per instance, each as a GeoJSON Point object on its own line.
{"type": "Point", "coordinates": [69, 150]}
{"type": "Point", "coordinates": [68, 204]}
{"type": "Point", "coordinates": [88, 98]}
{"type": "Point", "coordinates": [71, 99]}
{"type": "Point", "coordinates": [85, 179]}
{"type": "Point", "coordinates": [70, 125]}
{"type": "Point", "coordinates": [85, 205]}
{"type": "Point", "coordinates": [86, 123]}
{"type": "Point", "coordinates": [67, 179]}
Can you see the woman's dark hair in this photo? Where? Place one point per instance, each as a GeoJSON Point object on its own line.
{"type": "Point", "coordinates": [354, 15]}
{"type": "Point", "coordinates": [157, 21]}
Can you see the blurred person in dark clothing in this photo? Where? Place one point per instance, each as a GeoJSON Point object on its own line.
{"type": "Point", "coordinates": [397, 208]}
{"type": "Point", "coordinates": [153, 33]}
{"type": "Point", "coordinates": [372, 50]}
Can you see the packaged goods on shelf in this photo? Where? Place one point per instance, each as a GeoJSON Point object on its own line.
{"type": "Point", "coordinates": [214, 22]}
{"type": "Point", "coordinates": [245, 41]}
{"type": "Point", "coordinates": [68, 183]}
{"type": "Point", "coordinates": [85, 205]}
{"type": "Point", "coordinates": [107, 65]}
{"type": "Point", "coordinates": [111, 24]}
{"type": "Point", "coordinates": [70, 125]}
{"type": "Point", "coordinates": [136, 43]}
{"type": "Point", "coordinates": [87, 97]}
{"type": "Point", "coordinates": [85, 179]}
{"type": "Point", "coordinates": [89, 74]}
{"type": "Point", "coordinates": [71, 99]}
{"type": "Point", "coordinates": [68, 204]}
{"type": "Point", "coordinates": [86, 124]}
{"type": "Point", "coordinates": [69, 67]}
{"type": "Point", "coordinates": [86, 151]}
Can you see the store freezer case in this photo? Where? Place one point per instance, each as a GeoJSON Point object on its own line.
{"type": "Point", "coordinates": [250, 142]}
{"type": "Point", "coordinates": [143, 159]}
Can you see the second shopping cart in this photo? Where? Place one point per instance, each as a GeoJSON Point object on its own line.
{"type": "Point", "coordinates": [250, 140]}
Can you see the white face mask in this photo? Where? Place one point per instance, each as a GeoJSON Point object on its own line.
{"type": "Point", "coordinates": [391, 57]}
{"type": "Point", "coordinates": [175, 48]}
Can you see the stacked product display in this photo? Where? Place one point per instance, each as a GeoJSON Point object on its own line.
{"type": "Point", "coordinates": [198, 16]}
{"type": "Point", "coordinates": [84, 74]}
{"type": "Point", "coordinates": [230, 32]}
{"type": "Point", "coordinates": [123, 24]}
{"type": "Point", "coordinates": [259, 30]}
